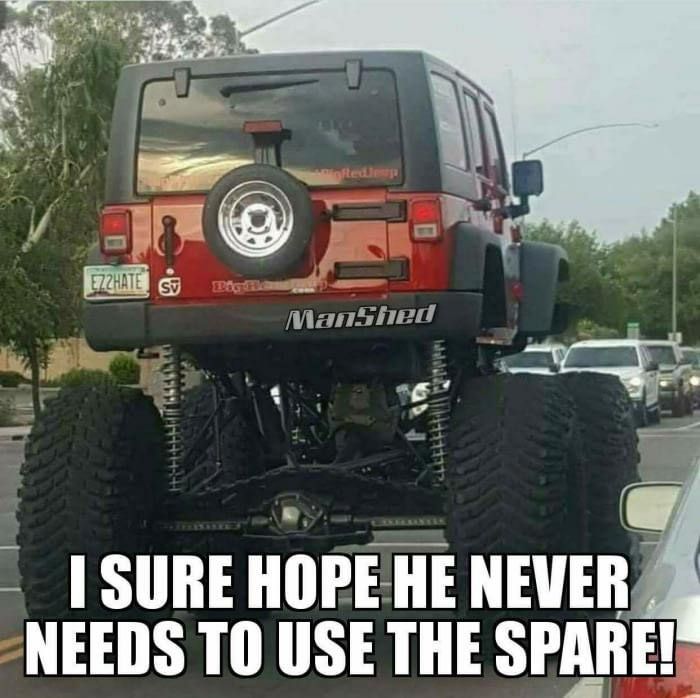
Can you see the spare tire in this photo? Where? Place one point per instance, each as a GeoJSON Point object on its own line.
{"type": "Point", "coordinates": [258, 221]}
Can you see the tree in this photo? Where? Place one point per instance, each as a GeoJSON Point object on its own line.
{"type": "Point", "coordinates": [642, 267]}
{"type": "Point", "coordinates": [59, 65]}
{"type": "Point", "coordinates": [587, 329]}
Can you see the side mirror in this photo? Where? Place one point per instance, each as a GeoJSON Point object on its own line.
{"type": "Point", "coordinates": [645, 507]}
{"type": "Point", "coordinates": [527, 178]}
{"type": "Point", "coordinates": [653, 366]}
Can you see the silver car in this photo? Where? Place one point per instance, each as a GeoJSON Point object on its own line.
{"type": "Point", "coordinates": [669, 588]}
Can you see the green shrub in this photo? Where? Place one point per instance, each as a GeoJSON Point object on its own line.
{"type": "Point", "coordinates": [83, 376]}
{"type": "Point", "coordinates": [11, 379]}
{"type": "Point", "coordinates": [7, 412]}
{"type": "Point", "coordinates": [125, 369]}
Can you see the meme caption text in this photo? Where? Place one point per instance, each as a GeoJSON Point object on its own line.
{"type": "Point", "coordinates": [143, 592]}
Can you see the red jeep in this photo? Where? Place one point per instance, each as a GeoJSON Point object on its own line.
{"type": "Point", "coordinates": [312, 231]}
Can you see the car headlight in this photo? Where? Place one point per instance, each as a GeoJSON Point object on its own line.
{"type": "Point", "coordinates": [664, 384]}
{"type": "Point", "coordinates": [420, 392]}
{"type": "Point", "coordinates": [695, 381]}
{"type": "Point", "coordinates": [635, 382]}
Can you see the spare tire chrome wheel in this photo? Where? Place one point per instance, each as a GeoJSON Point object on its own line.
{"type": "Point", "coordinates": [258, 220]}
{"type": "Point", "coordinates": [255, 219]}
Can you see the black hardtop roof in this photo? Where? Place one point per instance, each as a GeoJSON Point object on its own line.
{"type": "Point", "coordinates": [306, 60]}
{"type": "Point", "coordinates": [423, 167]}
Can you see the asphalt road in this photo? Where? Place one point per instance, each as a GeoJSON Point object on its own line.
{"type": "Point", "coordinates": [667, 452]}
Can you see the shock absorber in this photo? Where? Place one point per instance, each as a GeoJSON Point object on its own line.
{"type": "Point", "coordinates": [438, 407]}
{"type": "Point", "coordinates": [173, 380]}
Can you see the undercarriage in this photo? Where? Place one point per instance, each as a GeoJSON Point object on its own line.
{"type": "Point", "coordinates": [343, 452]}
{"type": "Point", "coordinates": [287, 459]}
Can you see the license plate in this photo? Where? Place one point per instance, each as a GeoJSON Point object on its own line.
{"type": "Point", "coordinates": [106, 281]}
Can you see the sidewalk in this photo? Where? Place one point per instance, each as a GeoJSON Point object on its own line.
{"type": "Point", "coordinates": [14, 433]}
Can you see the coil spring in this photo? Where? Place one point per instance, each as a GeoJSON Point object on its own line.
{"type": "Point", "coordinates": [438, 407]}
{"type": "Point", "coordinates": [173, 380]}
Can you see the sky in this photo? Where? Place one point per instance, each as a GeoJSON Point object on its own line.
{"type": "Point", "coordinates": [552, 66]}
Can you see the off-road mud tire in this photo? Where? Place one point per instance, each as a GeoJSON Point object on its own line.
{"type": "Point", "coordinates": [91, 482]}
{"type": "Point", "coordinates": [514, 469]}
{"type": "Point", "coordinates": [241, 447]}
{"type": "Point", "coordinates": [515, 479]}
{"type": "Point", "coordinates": [242, 456]}
{"type": "Point", "coordinates": [284, 260]}
{"type": "Point", "coordinates": [611, 454]}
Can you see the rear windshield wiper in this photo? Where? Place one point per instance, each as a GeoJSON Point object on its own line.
{"type": "Point", "coordinates": [228, 90]}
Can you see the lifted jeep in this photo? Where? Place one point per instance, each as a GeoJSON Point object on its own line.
{"type": "Point", "coordinates": [313, 232]}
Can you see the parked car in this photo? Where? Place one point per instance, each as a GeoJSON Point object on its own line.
{"type": "Point", "coordinates": [669, 587]}
{"type": "Point", "coordinates": [536, 358]}
{"type": "Point", "coordinates": [691, 355]}
{"type": "Point", "coordinates": [675, 388]}
{"type": "Point", "coordinates": [630, 361]}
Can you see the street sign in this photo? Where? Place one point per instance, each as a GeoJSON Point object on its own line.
{"type": "Point", "coordinates": [677, 337]}
{"type": "Point", "coordinates": [632, 330]}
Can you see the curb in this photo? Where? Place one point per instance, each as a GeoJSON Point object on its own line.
{"type": "Point", "coordinates": [14, 434]}
{"type": "Point", "coordinates": [587, 688]}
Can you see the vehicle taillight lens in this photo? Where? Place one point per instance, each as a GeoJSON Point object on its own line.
{"type": "Point", "coordinates": [115, 232]}
{"type": "Point", "coordinates": [426, 223]}
{"type": "Point", "coordinates": [685, 684]}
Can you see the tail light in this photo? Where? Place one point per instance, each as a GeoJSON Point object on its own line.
{"type": "Point", "coordinates": [426, 224]}
{"type": "Point", "coordinates": [115, 232]}
{"type": "Point", "coordinates": [685, 684]}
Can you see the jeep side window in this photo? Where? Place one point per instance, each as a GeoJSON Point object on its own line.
{"type": "Point", "coordinates": [449, 122]}
{"type": "Point", "coordinates": [474, 123]}
{"type": "Point", "coordinates": [496, 170]}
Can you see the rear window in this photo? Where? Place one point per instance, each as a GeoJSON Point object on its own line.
{"type": "Point", "coordinates": [339, 136]}
{"type": "Point", "coordinates": [600, 357]}
{"type": "Point", "coordinates": [530, 359]}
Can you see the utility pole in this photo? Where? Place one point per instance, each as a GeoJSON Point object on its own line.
{"type": "Point", "coordinates": [674, 277]}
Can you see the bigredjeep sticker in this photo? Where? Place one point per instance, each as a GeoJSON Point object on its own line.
{"type": "Point", "coordinates": [364, 316]}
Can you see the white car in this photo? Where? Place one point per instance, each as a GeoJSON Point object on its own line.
{"type": "Point", "coordinates": [535, 358]}
{"type": "Point", "coordinates": [630, 361]}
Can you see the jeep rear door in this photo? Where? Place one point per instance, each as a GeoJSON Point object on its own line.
{"type": "Point", "coordinates": [345, 145]}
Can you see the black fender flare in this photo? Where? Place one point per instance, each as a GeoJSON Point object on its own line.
{"type": "Point", "coordinates": [542, 268]}
{"type": "Point", "coordinates": [470, 244]}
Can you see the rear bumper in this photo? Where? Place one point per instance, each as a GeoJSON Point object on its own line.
{"type": "Point", "coordinates": [134, 324]}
